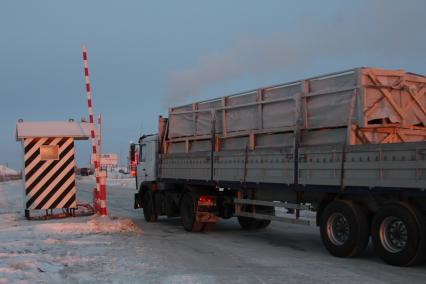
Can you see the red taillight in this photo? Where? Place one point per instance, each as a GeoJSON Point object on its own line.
{"type": "Point", "coordinates": [205, 200]}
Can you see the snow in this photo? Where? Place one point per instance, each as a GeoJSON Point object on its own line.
{"type": "Point", "coordinates": [114, 178]}
{"type": "Point", "coordinates": [123, 248]}
{"type": "Point", "coordinates": [54, 250]}
{"type": "Point", "coordinates": [93, 225]}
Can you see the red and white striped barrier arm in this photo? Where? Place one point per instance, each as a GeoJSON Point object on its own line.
{"type": "Point", "coordinates": [92, 126]}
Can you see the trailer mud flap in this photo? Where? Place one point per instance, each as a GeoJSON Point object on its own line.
{"type": "Point", "coordinates": [206, 217]}
{"type": "Point", "coordinates": [138, 201]}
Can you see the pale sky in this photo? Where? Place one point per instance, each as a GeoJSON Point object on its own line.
{"type": "Point", "coordinates": [146, 56]}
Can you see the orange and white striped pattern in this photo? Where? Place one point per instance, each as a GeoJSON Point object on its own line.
{"type": "Point", "coordinates": [49, 184]}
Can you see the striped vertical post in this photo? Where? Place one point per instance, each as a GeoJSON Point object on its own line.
{"type": "Point", "coordinates": [99, 141]}
{"type": "Point", "coordinates": [101, 174]}
{"type": "Point", "coordinates": [102, 180]}
{"type": "Point", "coordinates": [92, 126]}
{"type": "Point", "coordinates": [98, 173]}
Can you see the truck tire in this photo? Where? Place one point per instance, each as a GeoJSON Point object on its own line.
{"type": "Point", "coordinates": [399, 234]}
{"type": "Point", "coordinates": [265, 210]}
{"type": "Point", "coordinates": [148, 206]}
{"type": "Point", "coordinates": [263, 224]}
{"type": "Point", "coordinates": [248, 223]}
{"type": "Point", "coordinates": [188, 212]}
{"type": "Point", "coordinates": [344, 228]}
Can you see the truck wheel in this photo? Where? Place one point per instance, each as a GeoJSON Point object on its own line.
{"type": "Point", "coordinates": [399, 234]}
{"type": "Point", "coordinates": [188, 211]}
{"type": "Point", "coordinates": [266, 210]}
{"type": "Point", "coordinates": [263, 224]}
{"type": "Point", "coordinates": [344, 228]}
{"type": "Point", "coordinates": [148, 206]}
{"type": "Point", "coordinates": [248, 223]}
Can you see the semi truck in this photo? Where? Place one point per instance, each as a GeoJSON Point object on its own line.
{"type": "Point", "coordinates": [348, 148]}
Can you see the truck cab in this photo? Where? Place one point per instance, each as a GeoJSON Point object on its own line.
{"type": "Point", "coordinates": [146, 169]}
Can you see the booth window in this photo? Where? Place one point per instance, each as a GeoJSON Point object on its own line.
{"type": "Point", "coordinates": [49, 152]}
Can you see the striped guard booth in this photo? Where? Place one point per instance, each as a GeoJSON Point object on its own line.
{"type": "Point", "coordinates": [49, 162]}
{"type": "Point", "coordinates": [49, 181]}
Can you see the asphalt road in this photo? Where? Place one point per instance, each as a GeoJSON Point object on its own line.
{"type": "Point", "coordinates": [282, 253]}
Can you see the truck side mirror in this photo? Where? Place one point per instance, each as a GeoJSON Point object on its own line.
{"type": "Point", "coordinates": [132, 152]}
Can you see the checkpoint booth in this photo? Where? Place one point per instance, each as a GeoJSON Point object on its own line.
{"type": "Point", "coordinates": [49, 163]}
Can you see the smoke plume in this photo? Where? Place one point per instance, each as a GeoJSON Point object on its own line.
{"type": "Point", "coordinates": [390, 30]}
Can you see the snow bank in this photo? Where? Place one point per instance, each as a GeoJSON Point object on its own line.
{"type": "Point", "coordinates": [95, 225]}
{"type": "Point", "coordinates": [40, 251]}
{"type": "Point", "coordinates": [69, 250]}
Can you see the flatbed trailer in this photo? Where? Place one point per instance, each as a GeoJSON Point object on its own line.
{"type": "Point", "coordinates": [349, 146]}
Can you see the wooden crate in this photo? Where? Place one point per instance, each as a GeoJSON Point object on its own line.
{"type": "Point", "coordinates": [393, 107]}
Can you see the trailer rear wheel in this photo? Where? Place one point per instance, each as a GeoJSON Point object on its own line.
{"type": "Point", "coordinates": [148, 206]}
{"type": "Point", "coordinates": [188, 212]}
{"type": "Point", "coordinates": [344, 228]}
{"type": "Point", "coordinates": [399, 234]}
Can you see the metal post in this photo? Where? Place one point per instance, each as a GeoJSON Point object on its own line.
{"type": "Point", "coordinates": [213, 139]}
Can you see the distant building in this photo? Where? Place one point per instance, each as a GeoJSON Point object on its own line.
{"type": "Point", "coordinates": [108, 161]}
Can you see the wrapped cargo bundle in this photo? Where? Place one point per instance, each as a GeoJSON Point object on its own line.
{"type": "Point", "coordinates": [357, 106]}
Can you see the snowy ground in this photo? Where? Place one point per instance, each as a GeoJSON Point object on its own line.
{"type": "Point", "coordinates": [58, 250]}
{"type": "Point", "coordinates": [124, 249]}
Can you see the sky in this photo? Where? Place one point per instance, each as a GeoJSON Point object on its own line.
{"type": "Point", "coordinates": [147, 56]}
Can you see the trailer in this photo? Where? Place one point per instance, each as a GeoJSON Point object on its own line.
{"type": "Point", "coordinates": [349, 146]}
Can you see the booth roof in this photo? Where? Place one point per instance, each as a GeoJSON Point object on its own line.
{"type": "Point", "coordinates": [77, 130]}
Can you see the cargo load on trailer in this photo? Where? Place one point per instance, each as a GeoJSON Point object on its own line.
{"type": "Point", "coordinates": [384, 106]}
{"type": "Point", "coordinates": [349, 146]}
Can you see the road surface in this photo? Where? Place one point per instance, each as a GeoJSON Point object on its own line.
{"type": "Point", "coordinates": [282, 253]}
{"type": "Point", "coordinates": [123, 248]}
